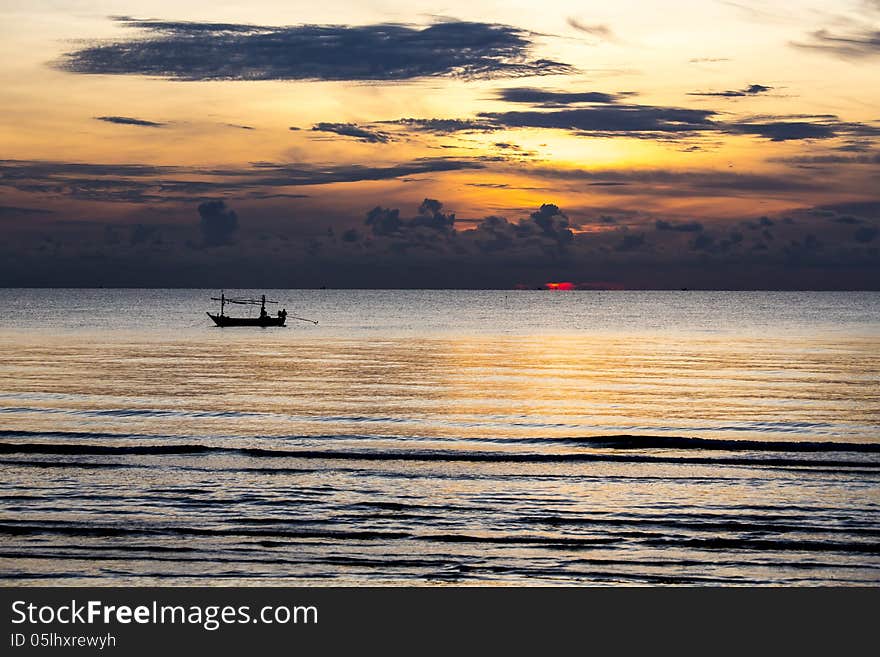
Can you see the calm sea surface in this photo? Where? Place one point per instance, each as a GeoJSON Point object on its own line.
{"type": "Point", "coordinates": [441, 437]}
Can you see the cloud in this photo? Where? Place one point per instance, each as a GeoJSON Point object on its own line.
{"type": "Point", "coordinates": [800, 126]}
{"type": "Point", "coordinates": [865, 234]}
{"type": "Point", "coordinates": [141, 183]}
{"type": "Point", "coordinates": [603, 114]}
{"type": "Point", "coordinates": [687, 227]}
{"type": "Point", "coordinates": [551, 98]}
{"type": "Point", "coordinates": [301, 174]}
{"type": "Point", "coordinates": [428, 248]}
{"type": "Point", "coordinates": [856, 146]}
{"type": "Point", "coordinates": [751, 90]}
{"type": "Point", "coordinates": [446, 126]}
{"type": "Point", "coordinates": [506, 186]}
{"type": "Point", "coordinates": [665, 182]}
{"type": "Point", "coordinates": [219, 51]}
{"type": "Point", "coordinates": [630, 242]}
{"type": "Point", "coordinates": [785, 130]}
{"type": "Point", "coordinates": [546, 231]}
{"type": "Point", "coordinates": [431, 215]}
{"type": "Point", "coordinates": [351, 235]}
{"type": "Point", "coordinates": [218, 223]}
{"type": "Point", "coordinates": [127, 120]}
{"type": "Point", "coordinates": [702, 242]}
{"type": "Point", "coordinates": [831, 158]}
{"type": "Point", "coordinates": [758, 12]}
{"type": "Point", "coordinates": [384, 222]}
{"type": "Point", "coordinates": [610, 119]}
{"type": "Point", "coordinates": [598, 114]}
{"type": "Point", "coordinates": [12, 210]}
{"type": "Point", "coordinates": [864, 209]}
{"type": "Point", "coordinates": [145, 233]}
{"type": "Point", "coordinates": [552, 222]}
{"type": "Point", "coordinates": [856, 45]}
{"type": "Point", "coordinates": [494, 234]}
{"type": "Point", "coordinates": [353, 130]}
{"type": "Point", "coordinates": [600, 31]}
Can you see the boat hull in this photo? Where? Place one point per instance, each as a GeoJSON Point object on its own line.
{"type": "Point", "coordinates": [224, 320]}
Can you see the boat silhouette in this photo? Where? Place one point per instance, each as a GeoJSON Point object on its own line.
{"type": "Point", "coordinates": [264, 319]}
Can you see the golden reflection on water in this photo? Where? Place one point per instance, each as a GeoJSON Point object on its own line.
{"type": "Point", "coordinates": [459, 387]}
{"type": "Point", "coordinates": [335, 411]}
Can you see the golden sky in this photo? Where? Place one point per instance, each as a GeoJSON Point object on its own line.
{"type": "Point", "coordinates": [303, 116]}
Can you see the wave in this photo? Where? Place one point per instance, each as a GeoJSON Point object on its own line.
{"type": "Point", "coordinates": [489, 423]}
{"type": "Point", "coordinates": [131, 412]}
{"type": "Point", "coordinates": [618, 442]}
{"type": "Point", "coordinates": [552, 542]}
{"type": "Point", "coordinates": [681, 442]}
{"type": "Point", "coordinates": [766, 545]}
{"type": "Point", "coordinates": [428, 455]}
{"type": "Point", "coordinates": [67, 529]}
{"type": "Point", "coordinates": [21, 433]}
{"type": "Point", "coordinates": [82, 449]}
{"type": "Point", "coordinates": [31, 463]}
{"type": "Point", "coordinates": [700, 523]}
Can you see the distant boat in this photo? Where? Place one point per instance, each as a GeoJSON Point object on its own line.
{"type": "Point", "coordinates": [265, 319]}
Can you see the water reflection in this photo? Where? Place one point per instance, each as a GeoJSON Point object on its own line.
{"type": "Point", "coordinates": [395, 445]}
{"type": "Point", "coordinates": [543, 386]}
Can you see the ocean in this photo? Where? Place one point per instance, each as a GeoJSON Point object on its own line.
{"type": "Point", "coordinates": [441, 438]}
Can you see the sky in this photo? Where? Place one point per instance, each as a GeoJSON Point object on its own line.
{"type": "Point", "coordinates": [482, 144]}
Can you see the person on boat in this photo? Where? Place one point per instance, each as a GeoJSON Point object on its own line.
{"type": "Point", "coordinates": [282, 314]}
{"type": "Point", "coordinates": [263, 313]}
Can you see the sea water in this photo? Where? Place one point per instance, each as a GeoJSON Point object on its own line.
{"type": "Point", "coordinates": [431, 437]}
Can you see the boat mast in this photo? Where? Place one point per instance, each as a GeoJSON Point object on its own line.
{"type": "Point", "coordinates": [263, 306]}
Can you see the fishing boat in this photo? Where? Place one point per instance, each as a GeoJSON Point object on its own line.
{"type": "Point", "coordinates": [264, 319]}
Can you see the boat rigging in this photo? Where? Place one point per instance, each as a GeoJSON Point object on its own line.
{"type": "Point", "coordinates": [265, 319]}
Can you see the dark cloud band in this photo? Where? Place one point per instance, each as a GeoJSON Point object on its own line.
{"type": "Point", "coordinates": [446, 126]}
{"type": "Point", "coordinates": [127, 120]}
{"type": "Point", "coordinates": [864, 43]}
{"type": "Point", "coordinates": [751, 90]}
{"type": "Point", "coordinates": [610, 119]}
{"type": "Point", "coordinates": [551, 98]}
{"type": "Point", "coordinates": [353, 130]}
{"type": "Point", "coordinates": [136, 183]}
{"type": "Point", "coordinates": [219, 51]}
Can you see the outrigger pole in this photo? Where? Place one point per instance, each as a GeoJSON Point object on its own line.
{"type": "Point", "coordinates": [303, 319]}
